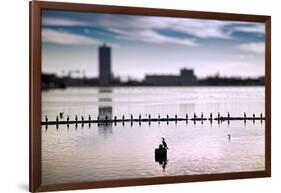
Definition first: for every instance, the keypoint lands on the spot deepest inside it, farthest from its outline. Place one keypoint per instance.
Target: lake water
(105, 152)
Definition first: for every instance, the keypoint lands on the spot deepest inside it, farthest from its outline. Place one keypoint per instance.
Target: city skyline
(152, 45)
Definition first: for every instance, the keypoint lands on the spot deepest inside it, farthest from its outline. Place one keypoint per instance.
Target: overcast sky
(151, 45)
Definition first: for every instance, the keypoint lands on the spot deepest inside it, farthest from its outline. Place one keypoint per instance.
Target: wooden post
(46, 119)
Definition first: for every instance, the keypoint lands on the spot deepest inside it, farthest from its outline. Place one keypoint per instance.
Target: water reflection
(193, 150)
(105, 111)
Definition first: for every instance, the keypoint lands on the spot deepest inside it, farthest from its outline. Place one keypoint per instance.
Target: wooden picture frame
(35, 94)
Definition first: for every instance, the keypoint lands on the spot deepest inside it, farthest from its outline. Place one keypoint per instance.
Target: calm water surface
(104, 152)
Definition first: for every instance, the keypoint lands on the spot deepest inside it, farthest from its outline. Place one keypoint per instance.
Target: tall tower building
(104, 64)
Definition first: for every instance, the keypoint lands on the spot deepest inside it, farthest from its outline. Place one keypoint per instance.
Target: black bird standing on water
(164, 143)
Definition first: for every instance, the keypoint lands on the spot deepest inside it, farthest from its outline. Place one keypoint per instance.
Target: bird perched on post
(61, 115)
(164, 143)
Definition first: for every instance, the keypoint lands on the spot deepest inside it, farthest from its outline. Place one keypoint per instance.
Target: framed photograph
(124, 96)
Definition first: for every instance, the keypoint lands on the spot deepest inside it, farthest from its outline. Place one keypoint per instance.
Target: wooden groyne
(168, 118)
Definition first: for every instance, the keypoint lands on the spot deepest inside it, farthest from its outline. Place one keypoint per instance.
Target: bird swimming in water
(164, 143)
(229, 137)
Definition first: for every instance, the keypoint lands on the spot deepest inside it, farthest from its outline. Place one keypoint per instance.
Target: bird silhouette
(164, 143)
(229, 137)
(61, 115)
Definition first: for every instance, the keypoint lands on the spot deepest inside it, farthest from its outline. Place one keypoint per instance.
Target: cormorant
(164, 143)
